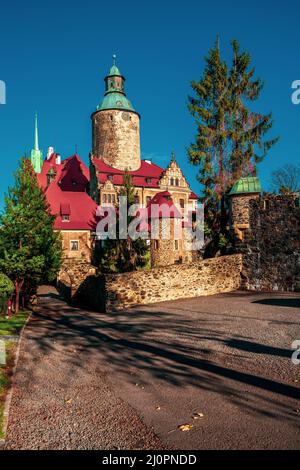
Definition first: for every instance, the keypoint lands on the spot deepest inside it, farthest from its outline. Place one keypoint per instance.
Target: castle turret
(36, 156)
(116, 126)
(241, 193)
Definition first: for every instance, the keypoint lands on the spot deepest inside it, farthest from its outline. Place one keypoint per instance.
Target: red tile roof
(147, 175)
(165, 207)
(65, 197)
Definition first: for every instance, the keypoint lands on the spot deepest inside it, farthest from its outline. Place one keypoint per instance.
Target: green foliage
(30, 250)
(120, 255)
(230, 136)
(6, 286)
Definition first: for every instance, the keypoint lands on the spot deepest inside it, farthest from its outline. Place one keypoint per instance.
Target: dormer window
(149, 180)
(51, 175)
(65, 212)
(110, 177)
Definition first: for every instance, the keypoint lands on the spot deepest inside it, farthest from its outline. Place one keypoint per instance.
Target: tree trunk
(18, 287)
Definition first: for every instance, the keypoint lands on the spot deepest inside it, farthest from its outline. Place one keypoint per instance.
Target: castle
(73, 191)
(265, 228)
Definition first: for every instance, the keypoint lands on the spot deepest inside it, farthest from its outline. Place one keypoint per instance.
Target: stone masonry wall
(205, 277)
(271, 246)
(116, 138)
(72, 275)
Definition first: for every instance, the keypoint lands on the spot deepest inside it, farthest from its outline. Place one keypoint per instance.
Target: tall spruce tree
(228, 136)
(30, 250)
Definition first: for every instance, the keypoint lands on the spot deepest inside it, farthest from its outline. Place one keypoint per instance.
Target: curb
(10, 391)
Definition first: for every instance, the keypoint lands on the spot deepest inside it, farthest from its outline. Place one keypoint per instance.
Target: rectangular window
(104, 198)
(176, 244)
(74, 245)
(109, 198)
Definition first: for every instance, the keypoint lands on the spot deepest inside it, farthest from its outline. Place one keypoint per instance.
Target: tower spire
(36, 133)
(36, 156)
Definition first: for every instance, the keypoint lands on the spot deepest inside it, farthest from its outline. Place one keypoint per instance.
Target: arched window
(172, 181)
(177, 182)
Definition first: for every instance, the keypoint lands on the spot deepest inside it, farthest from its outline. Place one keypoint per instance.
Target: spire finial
(114, 59)
(36, 134)
(173, 156)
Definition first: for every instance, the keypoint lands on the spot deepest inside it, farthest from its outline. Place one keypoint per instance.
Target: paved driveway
(224, 360)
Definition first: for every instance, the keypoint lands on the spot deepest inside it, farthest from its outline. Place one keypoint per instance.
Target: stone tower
(116, 126)
(36, 156)
(241, 193)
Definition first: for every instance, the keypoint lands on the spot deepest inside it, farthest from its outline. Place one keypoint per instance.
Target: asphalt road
(221, 365)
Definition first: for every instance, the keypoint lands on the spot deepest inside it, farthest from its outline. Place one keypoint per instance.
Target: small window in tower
(172, 181)
(74, 245)
(181, 202)
(177, 182)
(109, 198)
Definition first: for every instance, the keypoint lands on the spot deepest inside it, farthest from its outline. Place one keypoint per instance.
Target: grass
(12, 326)
(9, 327)
(5, 379)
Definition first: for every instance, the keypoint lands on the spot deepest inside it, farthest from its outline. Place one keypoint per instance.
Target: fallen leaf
(185, 427)
(68, 401)
(157, 408)
(198, 416)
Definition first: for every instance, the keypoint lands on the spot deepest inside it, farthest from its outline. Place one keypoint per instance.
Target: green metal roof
(249, 184)
(114, 69)
(115, 97)
(115, 100)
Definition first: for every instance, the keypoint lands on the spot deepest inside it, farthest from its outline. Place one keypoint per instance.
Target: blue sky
(55, 54)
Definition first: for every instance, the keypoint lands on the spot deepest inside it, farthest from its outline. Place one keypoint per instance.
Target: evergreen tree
(228, 134)
(30, 250)
(123, 255)
(247, 128)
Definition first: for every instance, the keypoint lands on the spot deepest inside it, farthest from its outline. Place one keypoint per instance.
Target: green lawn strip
(12, 326)
(9, 327)
(5, 379)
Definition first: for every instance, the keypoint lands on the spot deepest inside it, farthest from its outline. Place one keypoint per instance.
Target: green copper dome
(246, 185)
(115, 100)
(115, 96)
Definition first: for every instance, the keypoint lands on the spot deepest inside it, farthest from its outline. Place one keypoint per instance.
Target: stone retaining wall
(205, 277)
